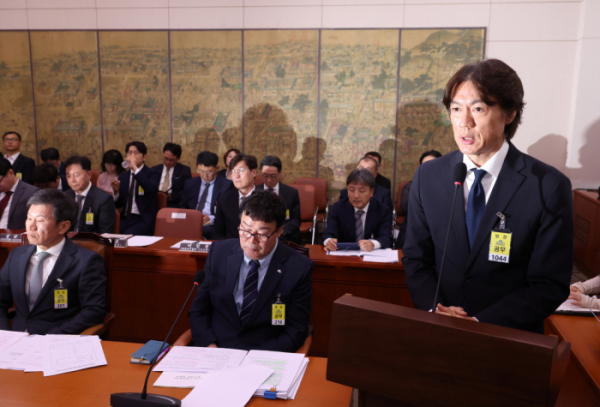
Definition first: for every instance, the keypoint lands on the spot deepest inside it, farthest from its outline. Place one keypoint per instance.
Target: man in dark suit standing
(22, 166)
(14, 195)
(136, 192)
(245, 277)
(172, 174)
(201, 193)
(379, 179)
(381, 194)
(52, 156)
(510, 252)
(35, 275)
(359, 218)
(270, 166)
(227, 217)
(96, 208)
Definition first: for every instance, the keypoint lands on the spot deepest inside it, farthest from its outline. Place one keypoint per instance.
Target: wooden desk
(93, 387)
(581, 386)
(150, 284)
(586, 207)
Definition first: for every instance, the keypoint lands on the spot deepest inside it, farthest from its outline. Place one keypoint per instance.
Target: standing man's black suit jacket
(83, 275)
(342, 226)
(181, 173)
(147, 202)
(24, 165)
(291, 227)
(214, 316)
(537, 201)
(17, 213)
(227, 216)
(101, 205)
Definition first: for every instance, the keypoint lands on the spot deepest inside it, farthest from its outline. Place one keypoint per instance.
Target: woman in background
(232, 152)
(111, 168)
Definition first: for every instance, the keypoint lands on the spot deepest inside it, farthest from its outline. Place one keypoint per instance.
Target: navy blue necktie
(250, 291)
(475, 206)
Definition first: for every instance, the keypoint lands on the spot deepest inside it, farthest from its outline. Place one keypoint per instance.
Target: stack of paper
(377, 256)
(141, 241)
(569, 308)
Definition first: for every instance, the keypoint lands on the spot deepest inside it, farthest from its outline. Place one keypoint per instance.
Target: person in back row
(172, 174)
(111, 166)
(379, 179)
(22, 166)
(45, 176)
(381, 194)
(270, 166)
(95, 208)
(136, 192)
(52, 156)
(14, 195)
(359, 218)
(227, 157)
(201, 193)
(245, 276)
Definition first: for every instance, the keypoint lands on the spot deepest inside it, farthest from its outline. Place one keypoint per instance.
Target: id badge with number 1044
(500, 242)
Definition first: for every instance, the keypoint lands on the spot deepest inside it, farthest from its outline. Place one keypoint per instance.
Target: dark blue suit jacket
(214, 316)
(181, 173)
(17, 214)
(341, 224)
(537, 200)
(227, 215)
(99, 203)
(24, 165)
(146, 203)
(83, 275)
(380, 194)
(291, 227)
(62, 173)
(191, 192)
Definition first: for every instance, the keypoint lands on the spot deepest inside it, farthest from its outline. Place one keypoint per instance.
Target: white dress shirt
(164, 175)
(134, 208)
(12, 158)
(47, 265)
(5, 214)
(244, 196)
(275, 189)
(492, 167)
(84, 194)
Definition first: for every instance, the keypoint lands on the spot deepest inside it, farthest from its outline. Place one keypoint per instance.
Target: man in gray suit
(14, 195)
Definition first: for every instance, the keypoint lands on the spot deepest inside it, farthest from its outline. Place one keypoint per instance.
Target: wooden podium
(398, 356)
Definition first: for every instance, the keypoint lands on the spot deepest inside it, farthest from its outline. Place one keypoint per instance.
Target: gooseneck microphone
(459, 175)
(144, 399)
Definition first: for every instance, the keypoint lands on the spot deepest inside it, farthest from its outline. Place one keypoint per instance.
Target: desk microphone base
(135, 400)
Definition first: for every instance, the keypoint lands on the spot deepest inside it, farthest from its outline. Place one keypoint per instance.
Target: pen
(162, 353)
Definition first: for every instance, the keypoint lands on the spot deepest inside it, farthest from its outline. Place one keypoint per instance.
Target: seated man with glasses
(14, 195)
(201, 193)
(380, 193)
(172, 174)
(245, 277)
(243, 170)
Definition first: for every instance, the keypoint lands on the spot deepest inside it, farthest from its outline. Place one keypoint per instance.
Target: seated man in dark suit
(22, 166)
(45, 176)
(96, 208)
(52, 156)
(380, 193)
(245, 277)
(227, 217)
(33, 273)
(136, 192)
(379, 179)
(270, 166)
(172, 174)
(14, 195)
(359, 218)
(201, 193)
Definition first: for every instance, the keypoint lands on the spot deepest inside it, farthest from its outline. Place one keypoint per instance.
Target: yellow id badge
(61, 299)
(19, 175)
(287, 214)
(89, 218)
(278, 317)
(140, 190)
(500, 246)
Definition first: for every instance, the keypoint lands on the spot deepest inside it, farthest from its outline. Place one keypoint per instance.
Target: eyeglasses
(207, 173)
(134, 153)
(246, 234)
(239, 171)
(11, 139)
(270, 176)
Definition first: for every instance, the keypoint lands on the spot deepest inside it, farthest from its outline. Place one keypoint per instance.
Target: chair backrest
(117, 226)
(179, 223)
(258, 180)
(162, 200)
(95, 174)
(307, 201)
(195, 174)
(399, 211)
(320, 185)
(300, 249)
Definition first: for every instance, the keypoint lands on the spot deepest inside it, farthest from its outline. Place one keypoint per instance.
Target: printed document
(199, 360)
(68, 355)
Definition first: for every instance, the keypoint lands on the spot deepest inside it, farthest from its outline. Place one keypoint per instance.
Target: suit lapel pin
(279, 271)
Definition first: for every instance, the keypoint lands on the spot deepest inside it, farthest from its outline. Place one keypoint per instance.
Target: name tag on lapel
(61, 298)
(140, 190)
(19, 175)
(89, 218)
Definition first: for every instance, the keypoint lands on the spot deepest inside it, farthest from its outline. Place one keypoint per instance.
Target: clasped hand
(457, 312)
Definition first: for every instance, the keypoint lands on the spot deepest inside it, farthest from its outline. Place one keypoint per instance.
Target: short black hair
(362, 176)
(173, 148)
(5, 165)
(229, 152)
(271, 161)
(250, 161)
(44, 173)
(374, 154)
(367, 158)
(49, 153)
(207, 159)
(63, 208)
(113, 157)
(265, 206)
(141, 147)
(84, 162)
(433, 153)
(12, 132)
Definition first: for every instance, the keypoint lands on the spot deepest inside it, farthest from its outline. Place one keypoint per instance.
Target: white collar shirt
(47, 265)
(12, 158)
(6, 213)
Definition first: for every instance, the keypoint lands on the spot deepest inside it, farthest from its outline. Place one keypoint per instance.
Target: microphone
(144, 399)
(459, 175)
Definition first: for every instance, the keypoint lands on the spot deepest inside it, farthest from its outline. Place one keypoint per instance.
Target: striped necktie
(358, 225)
(250, 291)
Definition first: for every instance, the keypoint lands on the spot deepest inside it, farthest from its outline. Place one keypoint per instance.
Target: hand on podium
(457, 312)
(212, 345)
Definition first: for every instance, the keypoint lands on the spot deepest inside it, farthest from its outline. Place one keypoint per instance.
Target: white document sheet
(178, 244)
(7, 338)
(381, 256)
(199, 360)
(296, 385)
(179, 379)
(227, 388)
(344, 253)
(10, 357)
(115, 236)
(569, 306)
(143, 241)
(285, 366)
(68, 355)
